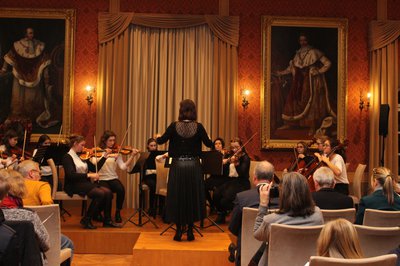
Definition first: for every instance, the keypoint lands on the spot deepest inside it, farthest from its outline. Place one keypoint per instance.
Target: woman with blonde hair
(17, 189)
(383, 197)
(339, 239)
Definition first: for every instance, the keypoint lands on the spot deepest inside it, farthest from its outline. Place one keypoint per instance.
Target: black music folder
(139, 165)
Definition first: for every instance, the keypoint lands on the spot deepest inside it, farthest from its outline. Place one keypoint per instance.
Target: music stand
(211, 162)
(139, 168)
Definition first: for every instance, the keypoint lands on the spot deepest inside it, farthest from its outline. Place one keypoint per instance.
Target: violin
(88, 153)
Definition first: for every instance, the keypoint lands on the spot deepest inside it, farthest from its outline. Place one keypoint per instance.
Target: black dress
(185, 197)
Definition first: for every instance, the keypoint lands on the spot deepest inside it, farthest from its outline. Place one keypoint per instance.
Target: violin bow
(59, 135)
(123, 140)
(23, 147)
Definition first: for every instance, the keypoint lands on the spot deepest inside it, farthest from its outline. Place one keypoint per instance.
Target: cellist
(336, 163)
(302, 158)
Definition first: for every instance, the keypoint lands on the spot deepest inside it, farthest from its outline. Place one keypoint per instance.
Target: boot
(98, 217)
(86, 222)
(220, 218)
(178, 233)
(190, 236)
(118, 218)
(109, 223)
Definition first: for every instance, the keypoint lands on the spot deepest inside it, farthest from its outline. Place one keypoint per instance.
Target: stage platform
(146, 244)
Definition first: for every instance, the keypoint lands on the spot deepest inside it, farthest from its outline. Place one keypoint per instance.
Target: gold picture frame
(295, 73)
(55, 29)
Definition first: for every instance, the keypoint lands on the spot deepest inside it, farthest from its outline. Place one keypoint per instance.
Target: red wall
(358, 12)
(86, 54)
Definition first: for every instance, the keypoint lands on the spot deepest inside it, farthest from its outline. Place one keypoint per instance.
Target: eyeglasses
(326, 145)
(37, 171)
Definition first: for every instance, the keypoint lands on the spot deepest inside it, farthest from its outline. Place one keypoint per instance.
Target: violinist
(239, 166)
(150, 177)
(336, 163)
(80, 178)
(46, 174)
(320, 144)
(302, 158)
(215, 181)
(9, 150)
(108, 177)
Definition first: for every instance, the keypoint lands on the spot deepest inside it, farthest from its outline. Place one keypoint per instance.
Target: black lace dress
(185, 196)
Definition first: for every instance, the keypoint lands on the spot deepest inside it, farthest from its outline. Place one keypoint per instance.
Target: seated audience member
(263, 173)
(339, 239)
(38, 192)
(19, 214)
(383, 197)
(325, 196)
(296, 207)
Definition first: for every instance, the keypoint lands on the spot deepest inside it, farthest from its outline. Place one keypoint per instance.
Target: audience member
(325, 196)
(38, 193)
(296, 207)
(263, 174)
(339, 239)
(383, 197)
(19, 214)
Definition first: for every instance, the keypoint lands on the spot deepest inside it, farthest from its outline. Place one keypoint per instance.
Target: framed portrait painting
(36, 70)
(304, 79)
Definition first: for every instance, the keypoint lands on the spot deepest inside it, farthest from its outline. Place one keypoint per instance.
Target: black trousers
(225, 194)
(116, 187)
(151, 182)
(211, 184)
(101, 199)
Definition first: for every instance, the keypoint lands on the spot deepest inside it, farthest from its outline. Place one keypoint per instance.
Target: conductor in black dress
(185, 197)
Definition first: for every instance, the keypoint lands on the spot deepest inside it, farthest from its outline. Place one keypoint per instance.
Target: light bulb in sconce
(364, 104)
(245, 101)
(89, 90)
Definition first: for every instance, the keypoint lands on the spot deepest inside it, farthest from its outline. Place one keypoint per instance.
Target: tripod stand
(139, 168)
(212, 165)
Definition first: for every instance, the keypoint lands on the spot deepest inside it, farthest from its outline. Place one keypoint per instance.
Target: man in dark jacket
(263, 173)
(326, 197)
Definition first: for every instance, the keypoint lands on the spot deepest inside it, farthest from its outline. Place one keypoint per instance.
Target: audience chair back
(348, 214)
(298, 241)
(376, 241)
(162, 179)
(385, 260)
(381, 218)
(357, 179)
(50, 217)
(249, 244)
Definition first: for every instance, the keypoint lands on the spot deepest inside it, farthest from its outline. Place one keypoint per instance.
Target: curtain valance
(382, 33)
(111, 25)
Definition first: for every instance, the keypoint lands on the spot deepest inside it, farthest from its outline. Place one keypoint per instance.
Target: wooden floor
(114, 246)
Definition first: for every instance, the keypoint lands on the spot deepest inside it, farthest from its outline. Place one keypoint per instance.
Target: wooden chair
(300, 242)
(381, 218)
(385, 260)
(376, 241)
(357, 179)
(249, 245)
(162, 179)
(61, 195)
(348, 214)
(50, 217)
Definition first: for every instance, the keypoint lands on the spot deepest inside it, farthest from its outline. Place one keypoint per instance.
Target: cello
(316, 163)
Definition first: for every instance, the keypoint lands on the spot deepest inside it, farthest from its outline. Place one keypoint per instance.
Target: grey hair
(264, 171)
(324, 176)
(25, 167)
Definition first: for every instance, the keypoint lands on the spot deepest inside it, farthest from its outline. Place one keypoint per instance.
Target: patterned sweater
(29, 215)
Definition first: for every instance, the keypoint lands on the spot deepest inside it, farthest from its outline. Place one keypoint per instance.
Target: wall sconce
(245, 102)
(362, 104)
(89, 98)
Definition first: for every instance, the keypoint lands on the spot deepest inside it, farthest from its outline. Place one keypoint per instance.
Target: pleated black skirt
(185, 197)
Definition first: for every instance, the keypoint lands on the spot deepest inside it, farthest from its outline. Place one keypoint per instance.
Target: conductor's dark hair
(41, 140)
(187, 110)
(106, 135)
